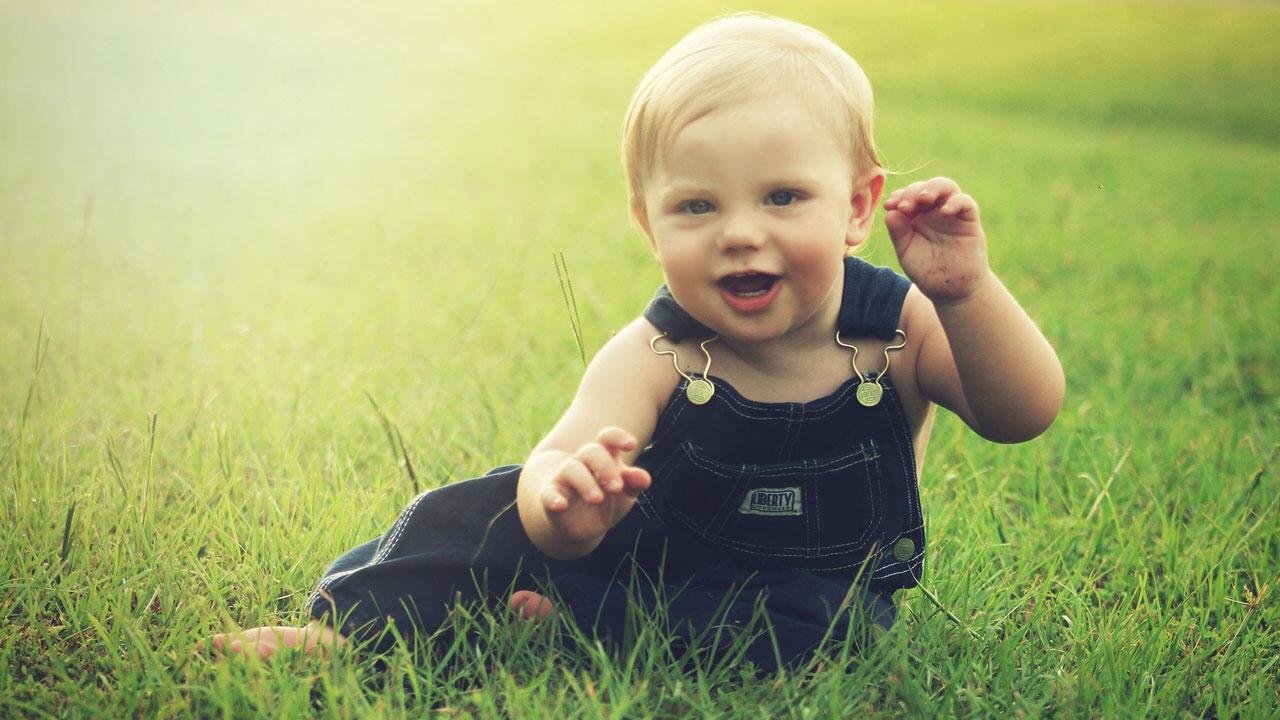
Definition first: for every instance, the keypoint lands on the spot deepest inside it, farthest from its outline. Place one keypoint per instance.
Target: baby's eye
(697, 207)
(781, 197)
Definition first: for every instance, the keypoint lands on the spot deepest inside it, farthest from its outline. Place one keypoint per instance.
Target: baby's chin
(770, 326)
(747, 331)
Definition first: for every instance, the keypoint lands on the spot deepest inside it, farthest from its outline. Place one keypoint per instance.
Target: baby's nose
(741, 231)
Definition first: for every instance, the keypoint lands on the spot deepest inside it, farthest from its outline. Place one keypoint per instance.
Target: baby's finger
(616, 440)
(898, 224)
(941, 187)
(602, 464)
(636, 480)
(910, 194)
(961, 206)
(574, 477)
(935, 193)
(553, 499)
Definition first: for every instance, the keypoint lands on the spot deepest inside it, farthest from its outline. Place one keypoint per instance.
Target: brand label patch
(771, 501)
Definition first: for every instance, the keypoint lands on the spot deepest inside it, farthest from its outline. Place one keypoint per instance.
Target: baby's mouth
(748, 284)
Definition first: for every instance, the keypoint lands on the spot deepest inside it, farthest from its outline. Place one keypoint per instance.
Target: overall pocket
(819, 513)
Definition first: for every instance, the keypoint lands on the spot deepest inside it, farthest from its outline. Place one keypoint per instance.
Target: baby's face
(749, 212)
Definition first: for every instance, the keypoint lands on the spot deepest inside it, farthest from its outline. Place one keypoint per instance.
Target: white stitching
(384, 548)
(839, 462)
(734, 401)
(817, 515)
(398, 529)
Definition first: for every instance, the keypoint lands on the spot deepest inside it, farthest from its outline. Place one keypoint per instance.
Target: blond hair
(739, 57)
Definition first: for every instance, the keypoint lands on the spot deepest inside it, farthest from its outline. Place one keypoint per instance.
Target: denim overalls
(807, 513)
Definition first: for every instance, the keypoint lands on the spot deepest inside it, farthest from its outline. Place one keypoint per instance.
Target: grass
(256, 267)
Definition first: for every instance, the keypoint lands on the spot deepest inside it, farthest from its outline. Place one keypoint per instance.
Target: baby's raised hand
(594, 488)
(938, 238)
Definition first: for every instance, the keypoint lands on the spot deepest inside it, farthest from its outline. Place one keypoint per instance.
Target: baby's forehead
(750, 136)
(774, 117)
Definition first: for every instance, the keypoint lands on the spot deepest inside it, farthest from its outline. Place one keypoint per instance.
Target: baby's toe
(265, 650)
(531, 605)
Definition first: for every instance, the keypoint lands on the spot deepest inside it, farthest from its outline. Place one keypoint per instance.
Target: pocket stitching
(742, 474)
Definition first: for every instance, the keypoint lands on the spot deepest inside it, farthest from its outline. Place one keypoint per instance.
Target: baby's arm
(980, 355)
(579, 481)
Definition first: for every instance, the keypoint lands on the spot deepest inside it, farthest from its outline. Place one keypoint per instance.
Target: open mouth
(748, 284)
(749, 292)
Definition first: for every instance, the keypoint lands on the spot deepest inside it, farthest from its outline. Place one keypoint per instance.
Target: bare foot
(263, 642)
(530, 605)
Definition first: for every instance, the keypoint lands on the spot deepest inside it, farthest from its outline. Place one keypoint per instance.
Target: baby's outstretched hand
(938, 238)
(594, 488)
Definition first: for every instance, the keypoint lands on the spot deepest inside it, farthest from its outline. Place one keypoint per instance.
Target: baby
(752, 442)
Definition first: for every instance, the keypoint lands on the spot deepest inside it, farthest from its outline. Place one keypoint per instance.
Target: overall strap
(872, 301)
(870, 305)
(667, 315)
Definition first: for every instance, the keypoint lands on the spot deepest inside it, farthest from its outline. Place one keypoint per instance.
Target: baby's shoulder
(629, 357)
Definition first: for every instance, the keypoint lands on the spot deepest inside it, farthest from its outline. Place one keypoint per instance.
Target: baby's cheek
(819, 266)
(680, 264)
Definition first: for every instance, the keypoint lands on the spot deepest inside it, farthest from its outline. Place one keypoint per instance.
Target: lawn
(236, 245)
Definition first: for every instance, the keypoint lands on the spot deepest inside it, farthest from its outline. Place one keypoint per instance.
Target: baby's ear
(862, 206)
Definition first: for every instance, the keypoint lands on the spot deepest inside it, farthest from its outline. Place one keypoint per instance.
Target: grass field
(223, 231)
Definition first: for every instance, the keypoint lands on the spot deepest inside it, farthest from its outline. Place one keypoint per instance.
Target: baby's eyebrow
(791, 182)
(674, 192)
